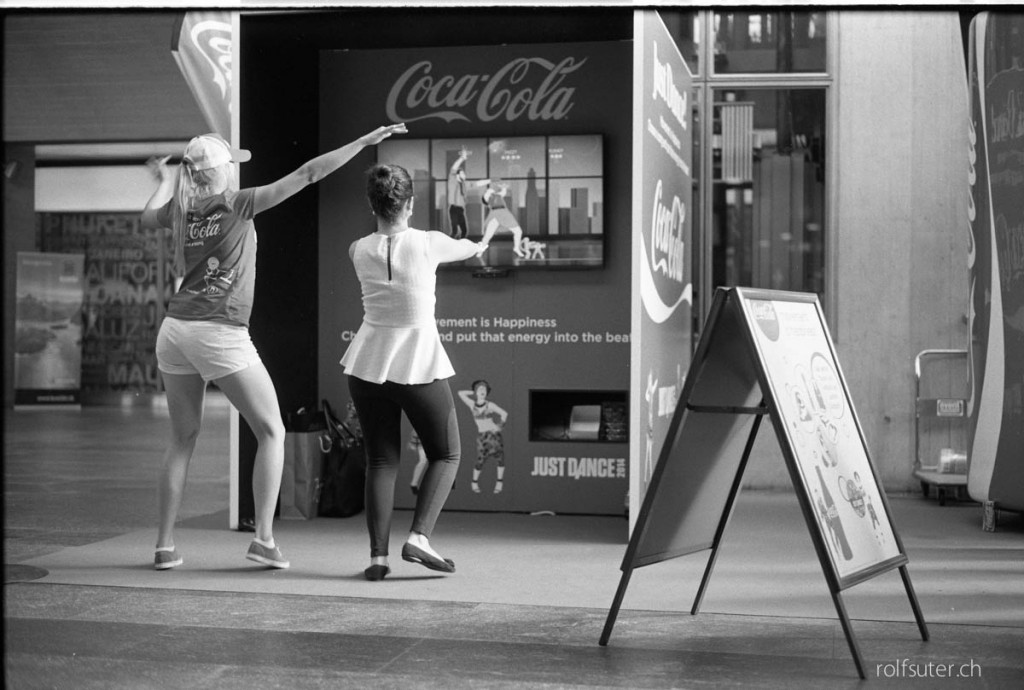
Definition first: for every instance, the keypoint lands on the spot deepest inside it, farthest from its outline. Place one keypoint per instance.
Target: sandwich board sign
(768, 353)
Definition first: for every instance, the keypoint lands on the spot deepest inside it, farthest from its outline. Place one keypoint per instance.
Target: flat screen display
(537, 200)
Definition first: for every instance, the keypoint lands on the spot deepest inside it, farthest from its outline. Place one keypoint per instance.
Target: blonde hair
(190, 186)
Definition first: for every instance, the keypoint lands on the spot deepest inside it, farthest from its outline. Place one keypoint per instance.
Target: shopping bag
(300, 479)
(343, 476)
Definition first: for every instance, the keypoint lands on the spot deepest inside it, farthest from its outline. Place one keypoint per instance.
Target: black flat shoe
(415, 554)
(376, 572)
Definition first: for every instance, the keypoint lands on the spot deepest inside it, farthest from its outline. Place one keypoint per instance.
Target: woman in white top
(396, 363)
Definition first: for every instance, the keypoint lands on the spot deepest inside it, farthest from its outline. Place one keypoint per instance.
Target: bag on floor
(305, 444)
(343, 477)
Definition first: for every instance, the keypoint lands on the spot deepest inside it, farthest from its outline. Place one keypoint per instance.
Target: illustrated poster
(824, 435)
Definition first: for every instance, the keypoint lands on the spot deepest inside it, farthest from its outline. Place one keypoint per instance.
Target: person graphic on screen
(457, 185)
(498, 216)
(205, 334)
(490, 419)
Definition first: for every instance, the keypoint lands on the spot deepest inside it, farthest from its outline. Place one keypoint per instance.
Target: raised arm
(467, 397)
(463, 154)
(163, 193)
(446, 249)
(313, 171)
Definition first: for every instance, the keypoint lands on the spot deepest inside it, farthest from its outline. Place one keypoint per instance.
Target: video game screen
(537, 200)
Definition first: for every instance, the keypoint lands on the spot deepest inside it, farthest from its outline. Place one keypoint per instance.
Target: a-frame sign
(766, 352)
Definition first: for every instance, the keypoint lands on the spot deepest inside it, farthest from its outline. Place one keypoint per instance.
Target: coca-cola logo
(664, 283)
(767, 320)
(531, 88)
(207, 227)
(668, 246)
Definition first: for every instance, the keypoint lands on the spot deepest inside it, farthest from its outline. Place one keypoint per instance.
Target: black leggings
(431, 411)
(457, 215)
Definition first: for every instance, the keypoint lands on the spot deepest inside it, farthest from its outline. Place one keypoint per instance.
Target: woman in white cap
(205, 336)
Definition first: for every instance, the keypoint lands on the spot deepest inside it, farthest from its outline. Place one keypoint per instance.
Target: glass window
(685, 29)
(761, 42)
(768, 188)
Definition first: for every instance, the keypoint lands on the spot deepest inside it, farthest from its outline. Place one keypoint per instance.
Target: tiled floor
(79, 488)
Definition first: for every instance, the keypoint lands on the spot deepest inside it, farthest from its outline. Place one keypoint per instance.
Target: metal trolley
(940, 423)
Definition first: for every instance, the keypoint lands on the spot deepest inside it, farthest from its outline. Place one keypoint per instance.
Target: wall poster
(48, 329)
(127, 284)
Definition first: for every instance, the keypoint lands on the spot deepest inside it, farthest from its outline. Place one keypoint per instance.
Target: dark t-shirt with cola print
(220, 259)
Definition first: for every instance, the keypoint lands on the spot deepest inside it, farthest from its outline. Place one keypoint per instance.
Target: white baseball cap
(211, 150)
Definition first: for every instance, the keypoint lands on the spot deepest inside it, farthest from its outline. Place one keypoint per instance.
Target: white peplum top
(398, 339)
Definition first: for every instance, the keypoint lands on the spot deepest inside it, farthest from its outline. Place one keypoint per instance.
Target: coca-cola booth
(544, 336)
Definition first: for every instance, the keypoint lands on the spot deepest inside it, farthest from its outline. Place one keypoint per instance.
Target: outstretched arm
(164, 190)
(446, 249)
(313, 171)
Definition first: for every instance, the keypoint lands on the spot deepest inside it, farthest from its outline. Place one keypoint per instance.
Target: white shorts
(212, 350)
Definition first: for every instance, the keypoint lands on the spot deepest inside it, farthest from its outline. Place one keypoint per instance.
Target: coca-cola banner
(662, 227)
(201, 46)
(523, 89)
(996, 211)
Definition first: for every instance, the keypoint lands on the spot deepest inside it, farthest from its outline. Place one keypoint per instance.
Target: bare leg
(252, 392)
(517, 240)
(185, 395)
(490, 227)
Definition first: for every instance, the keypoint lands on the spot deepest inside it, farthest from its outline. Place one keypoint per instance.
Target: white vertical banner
(203, 47)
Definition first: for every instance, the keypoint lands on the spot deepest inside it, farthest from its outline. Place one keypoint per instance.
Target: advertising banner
(127, 283)
(996, 258)
(48, 329)
(201, 45)
(662, 226)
